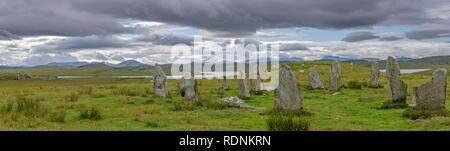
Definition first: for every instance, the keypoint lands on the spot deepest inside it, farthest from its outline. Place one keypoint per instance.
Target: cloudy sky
(36, 32)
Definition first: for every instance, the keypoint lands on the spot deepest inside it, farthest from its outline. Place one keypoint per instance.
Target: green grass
(415, 114)
(128, 104)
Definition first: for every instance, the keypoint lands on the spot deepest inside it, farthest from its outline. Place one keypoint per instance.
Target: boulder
(233, 101)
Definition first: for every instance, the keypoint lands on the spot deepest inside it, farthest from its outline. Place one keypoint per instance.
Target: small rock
(233, 101)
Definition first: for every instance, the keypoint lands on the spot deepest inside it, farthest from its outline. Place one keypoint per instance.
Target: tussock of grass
(415, 114)
(27, 106)
(58, 116)
(393, 105)
(73, 97)
(91, 114)
(152, 124)
(287, 123)
(86, 91)
(288, 120)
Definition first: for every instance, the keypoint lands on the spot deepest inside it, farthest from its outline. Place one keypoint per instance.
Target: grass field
(128, 104)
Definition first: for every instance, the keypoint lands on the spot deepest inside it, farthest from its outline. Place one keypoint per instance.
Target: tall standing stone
(188, 89)
(224, 84)
(255, 84)
(287, 95)
(159, 82)
(244, 89)
(397, 89)
(431, 95)
(314, 79)
(375, 75)
(335, 77)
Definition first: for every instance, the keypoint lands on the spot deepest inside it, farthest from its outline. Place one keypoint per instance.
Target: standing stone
(244, 90)
(397, 89)
(188, 89)
(159, 82)
(287, 95)
(314, 79)
(432, 94)
(375, 75)
(224, 84)
(335, 77)
(255, 84)
(18, 76)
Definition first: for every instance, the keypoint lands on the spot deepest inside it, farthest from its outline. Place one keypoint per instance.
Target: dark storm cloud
(226, 17)
(359, 36)
(77, 43)
(244, 17)
(428, 34)
(167, 39)
(54, 17)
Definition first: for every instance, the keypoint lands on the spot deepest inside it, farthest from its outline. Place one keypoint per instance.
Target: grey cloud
(5, 35)
(359, 36)
(77, 43)
(54, 17)
(42, 59)
(227, 17)
(391, 38)
(243, 17)
(428, 34)
(292, 46)
(166, 39)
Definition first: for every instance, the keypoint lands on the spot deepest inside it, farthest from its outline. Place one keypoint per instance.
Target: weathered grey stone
(21, 76)
(224, 85)
(159, 82)
(314, 79)
(244, 89)
(431, 95)
(375, 75)
(255, 84)
(287, 95)
(335, 77)
(188, 89)
(397, 89)
(233, 102)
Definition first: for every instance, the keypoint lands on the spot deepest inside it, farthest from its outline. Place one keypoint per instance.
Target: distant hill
(132, 67)
(127, 63)
(130, 63)
(73, 64)
(427, 62)
(337, 58)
